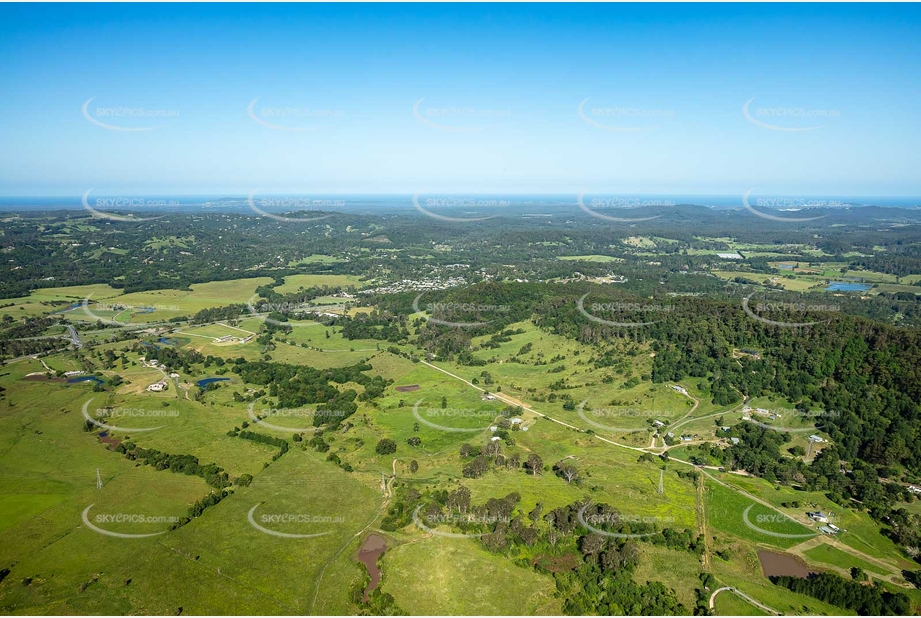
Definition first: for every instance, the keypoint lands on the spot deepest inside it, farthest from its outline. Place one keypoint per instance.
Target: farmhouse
(815, 438)
(157, 387)
(818, 516)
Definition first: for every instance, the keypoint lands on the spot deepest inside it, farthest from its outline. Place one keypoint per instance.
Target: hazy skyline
(324, 99)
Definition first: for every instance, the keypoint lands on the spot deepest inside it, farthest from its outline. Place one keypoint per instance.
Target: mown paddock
(445, 576)
(729, 604)
(304, 487)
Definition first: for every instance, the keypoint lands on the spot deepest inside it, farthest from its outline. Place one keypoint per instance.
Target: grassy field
(48, 467)
(728, 604)
(590, 258)
(440, 575)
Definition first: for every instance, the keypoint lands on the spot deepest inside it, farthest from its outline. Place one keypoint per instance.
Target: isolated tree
(568, 472)
(386, 446)
(413, 466)
(535, 463)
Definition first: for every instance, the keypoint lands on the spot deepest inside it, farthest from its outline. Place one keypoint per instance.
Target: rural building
(815, 438)
(157, 387)
(818, 516)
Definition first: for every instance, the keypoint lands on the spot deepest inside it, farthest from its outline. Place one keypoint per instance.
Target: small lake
(844, 286)
(774, 564)
(371, 549)
(85, 379)
(167, 341)
(206, 381)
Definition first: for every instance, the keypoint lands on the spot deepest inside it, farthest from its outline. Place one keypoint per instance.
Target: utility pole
(98, 479)
(662, 481)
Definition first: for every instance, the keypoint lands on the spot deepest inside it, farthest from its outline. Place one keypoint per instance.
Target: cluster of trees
(263, 439)
(481, 459)
(296, 385)
(872, 600)
(199, 507)
(213, 474)
(381, 325)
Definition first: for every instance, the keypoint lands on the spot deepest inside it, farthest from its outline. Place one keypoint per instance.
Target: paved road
(74, 337)
(738, 592)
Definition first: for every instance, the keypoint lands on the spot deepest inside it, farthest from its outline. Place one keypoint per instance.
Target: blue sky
(501, 87)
